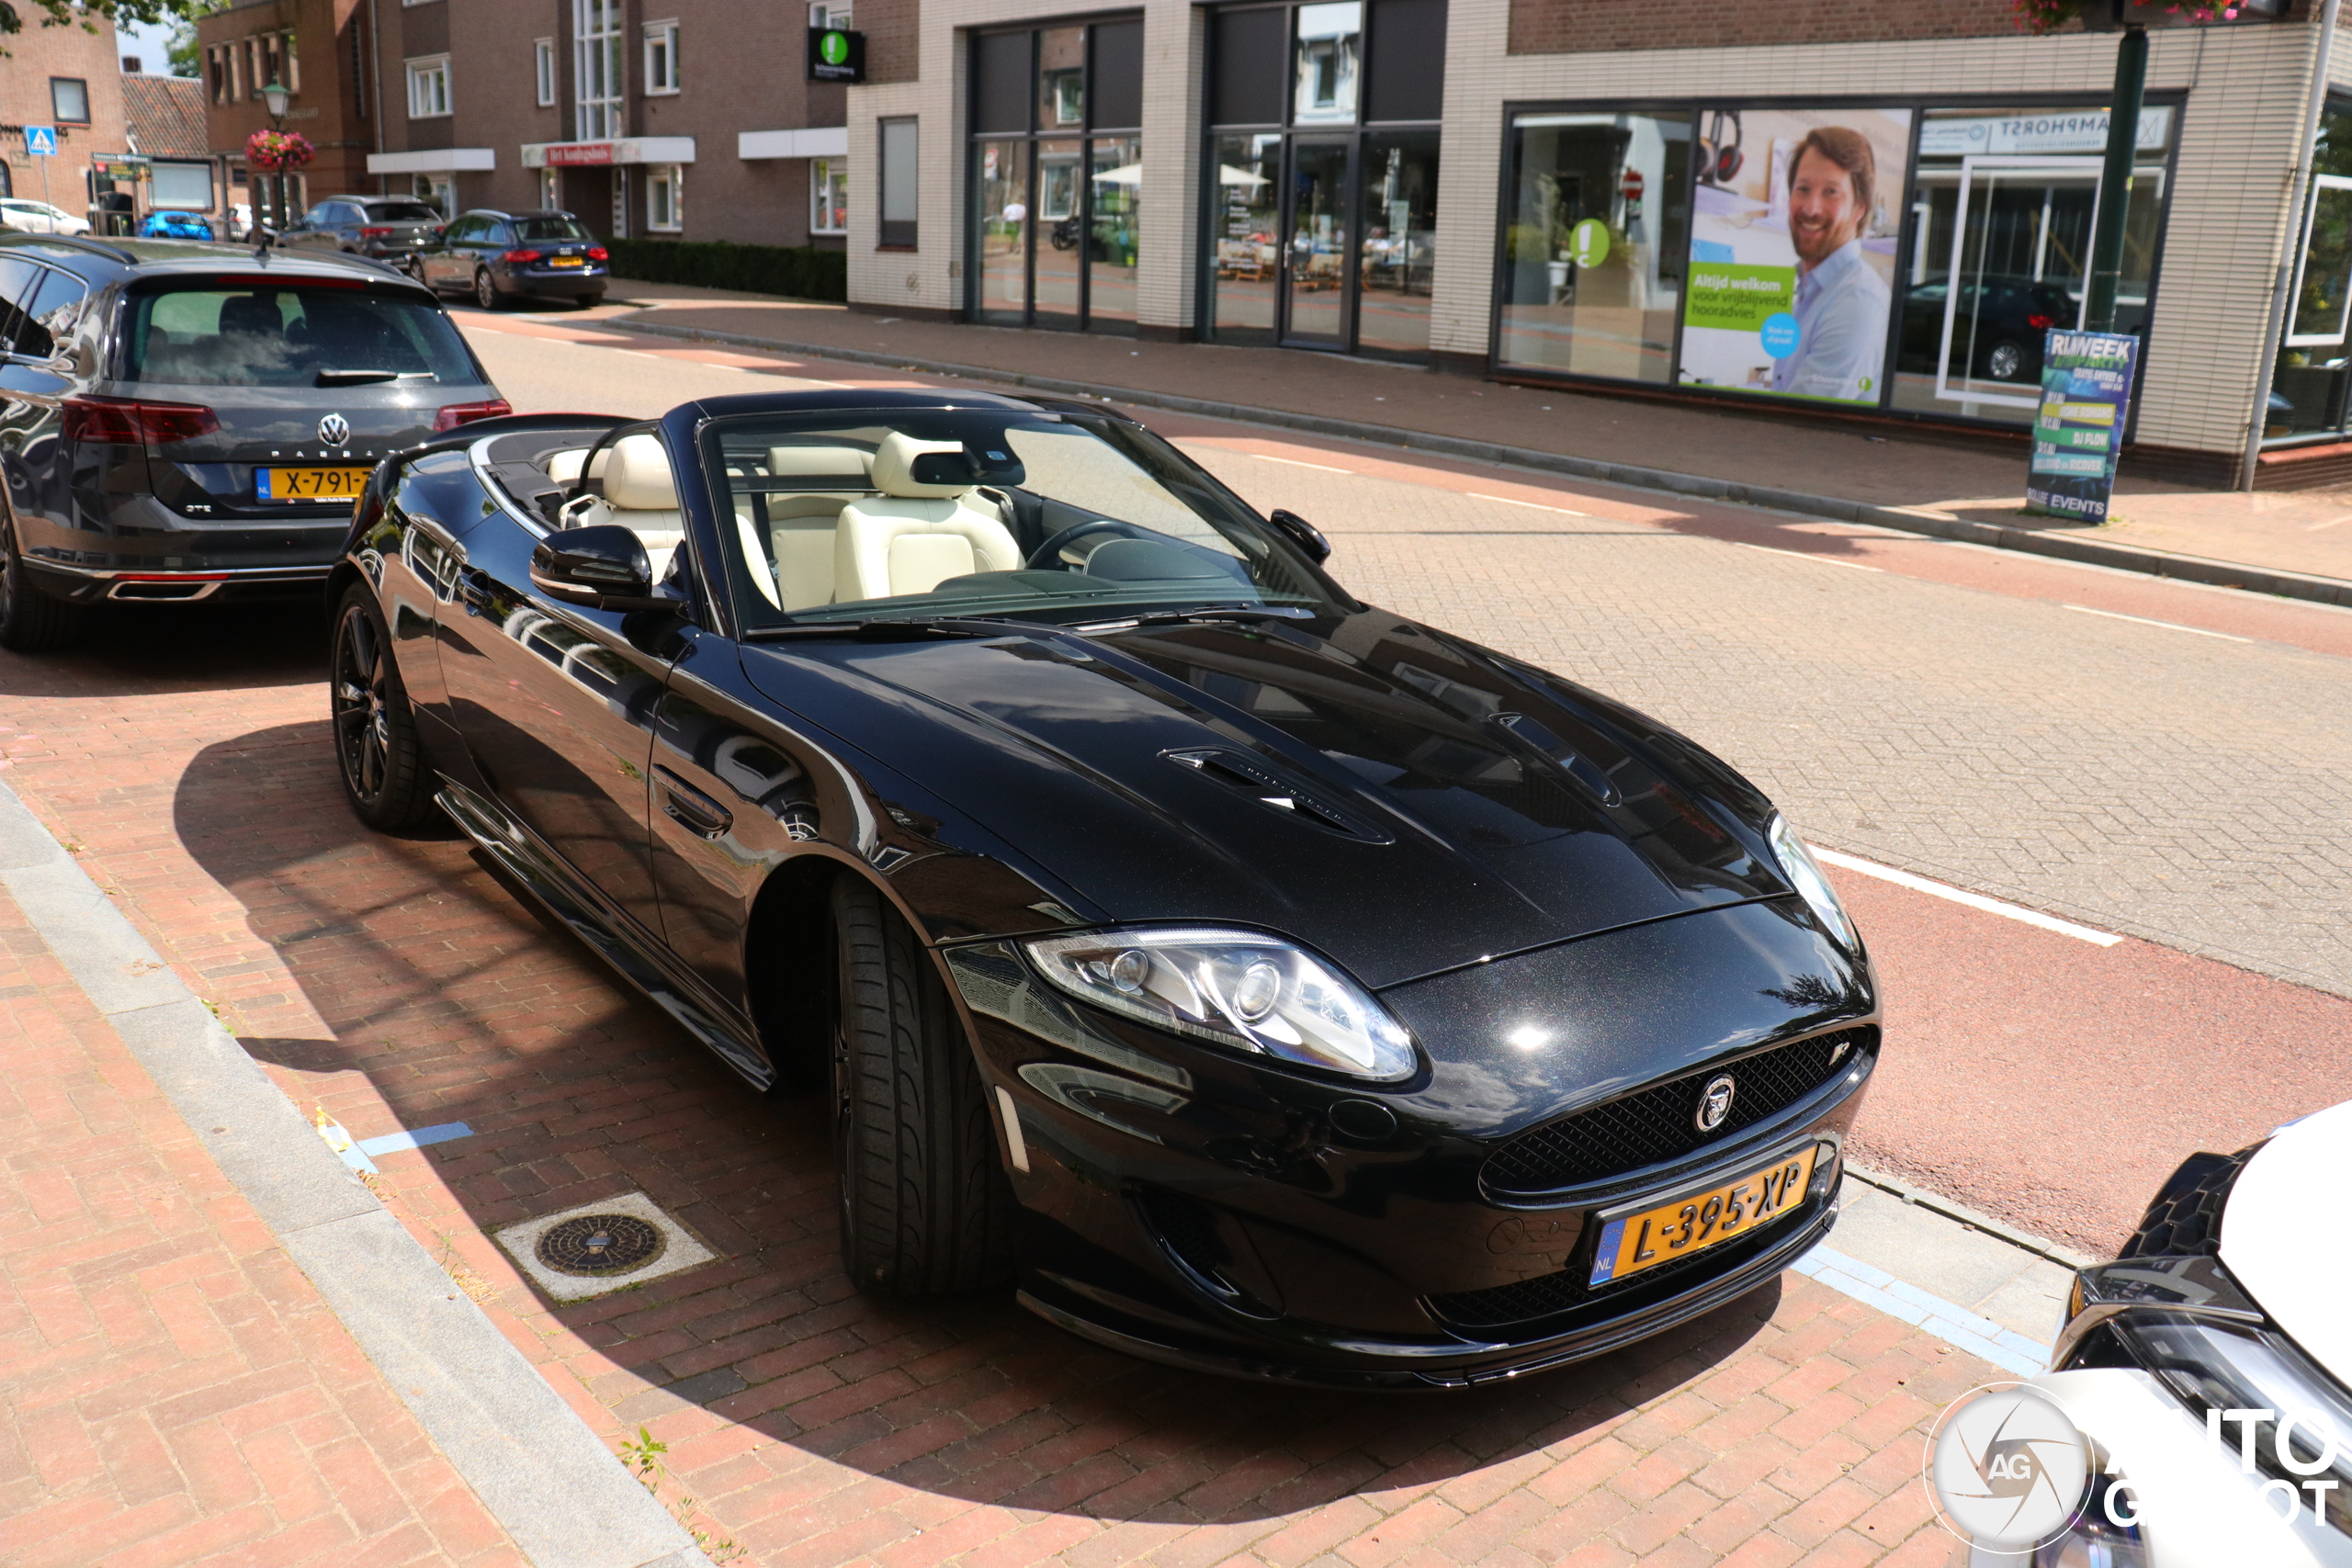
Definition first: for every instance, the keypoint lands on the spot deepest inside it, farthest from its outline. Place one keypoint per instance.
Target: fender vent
(1251, 776)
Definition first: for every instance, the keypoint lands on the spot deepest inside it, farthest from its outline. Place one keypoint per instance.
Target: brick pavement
(396, 983)
(171, 1389)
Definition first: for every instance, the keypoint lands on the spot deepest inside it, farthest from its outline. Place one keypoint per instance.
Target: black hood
(1401, 801)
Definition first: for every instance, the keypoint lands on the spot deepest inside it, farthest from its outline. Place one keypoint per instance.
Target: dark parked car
(1996, 333)
(384, 229)
(1273, 984)
(193, 421)
(175, 225)
(500, 256)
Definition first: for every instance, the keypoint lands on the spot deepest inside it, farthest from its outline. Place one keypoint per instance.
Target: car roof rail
(81, 243)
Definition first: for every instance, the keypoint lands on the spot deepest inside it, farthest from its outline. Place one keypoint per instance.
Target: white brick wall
(2227, 224)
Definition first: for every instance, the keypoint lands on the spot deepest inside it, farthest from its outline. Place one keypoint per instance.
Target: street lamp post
(273, 98)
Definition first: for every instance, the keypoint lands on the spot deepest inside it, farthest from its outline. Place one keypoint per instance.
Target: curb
(547, 1480)
(1907, 519)
(2023, 1241)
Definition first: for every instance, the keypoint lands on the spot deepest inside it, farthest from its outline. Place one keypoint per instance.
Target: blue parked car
(175, 225)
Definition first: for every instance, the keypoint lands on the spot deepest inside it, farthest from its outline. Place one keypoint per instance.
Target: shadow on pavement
(178, 648)
(447, 998)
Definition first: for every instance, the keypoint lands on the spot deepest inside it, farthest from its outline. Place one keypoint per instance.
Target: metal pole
(2115, 176)
(2298, 184)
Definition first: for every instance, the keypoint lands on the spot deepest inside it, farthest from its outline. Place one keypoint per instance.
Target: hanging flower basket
(2048, 15)
(274, 150)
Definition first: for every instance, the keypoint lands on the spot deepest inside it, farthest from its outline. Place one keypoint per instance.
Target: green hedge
(802, 270)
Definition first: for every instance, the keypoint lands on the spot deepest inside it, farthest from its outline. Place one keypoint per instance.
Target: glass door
(2019, 265)
(1318, 261)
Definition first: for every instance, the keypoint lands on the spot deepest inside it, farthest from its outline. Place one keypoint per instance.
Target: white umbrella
(1226, 174)
(1124, 174)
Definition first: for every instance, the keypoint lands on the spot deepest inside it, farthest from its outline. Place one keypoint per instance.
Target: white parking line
(1973, 900)
(1806, 554)
(1296, 464)
(1537, 505)
(2169, 626)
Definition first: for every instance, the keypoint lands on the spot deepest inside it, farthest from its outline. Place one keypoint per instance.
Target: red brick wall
(1579, 26)
(890, 26)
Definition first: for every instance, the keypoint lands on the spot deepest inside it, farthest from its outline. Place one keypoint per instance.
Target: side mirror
(1302, 534)
(603, 567)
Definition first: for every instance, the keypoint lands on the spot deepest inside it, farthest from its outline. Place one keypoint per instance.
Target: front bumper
(1192, 1207)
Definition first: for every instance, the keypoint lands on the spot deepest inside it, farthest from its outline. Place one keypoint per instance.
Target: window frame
(547, 81)
(598, 119)
(422, 71)
(81, 84)
(824, 176)
(660, 42)
(670, 179)
(902, 234)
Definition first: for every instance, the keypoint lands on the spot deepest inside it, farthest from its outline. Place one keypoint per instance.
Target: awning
(816, 141)
(434, 161)
(603, 154)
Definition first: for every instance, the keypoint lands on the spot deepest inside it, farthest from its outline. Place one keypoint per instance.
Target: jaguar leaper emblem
(1714, 1101)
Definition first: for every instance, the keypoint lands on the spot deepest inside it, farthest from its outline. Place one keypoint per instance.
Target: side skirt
(609, 932)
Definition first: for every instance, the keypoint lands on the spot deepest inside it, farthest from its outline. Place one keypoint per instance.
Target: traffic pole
(2115, 176)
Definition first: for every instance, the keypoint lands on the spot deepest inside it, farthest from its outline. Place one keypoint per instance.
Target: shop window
(1115, 75)
(1323, 89)
(2308, 390)
(1405, 74)
(827, 195)
(665, 198)
(1000, 68)
(69, 100)
(543, 71)
(901, 169)
(661, 57)
(1246, 69)
(1061, 79)
(187, 186)
(428, 87)
(1593, 250)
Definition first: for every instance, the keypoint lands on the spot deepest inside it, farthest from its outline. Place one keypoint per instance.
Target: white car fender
(2199, 1509)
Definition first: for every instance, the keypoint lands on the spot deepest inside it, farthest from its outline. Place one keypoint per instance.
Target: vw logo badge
(335, 430)
(1714, 1101)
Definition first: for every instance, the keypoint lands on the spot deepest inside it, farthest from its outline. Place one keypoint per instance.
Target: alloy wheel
(2004, 361)
(485, 291)
(358, 694)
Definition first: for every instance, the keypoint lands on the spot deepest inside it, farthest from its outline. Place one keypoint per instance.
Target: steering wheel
(1048, 556)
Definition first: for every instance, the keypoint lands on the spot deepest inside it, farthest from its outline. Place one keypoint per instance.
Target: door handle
(474, 589)
(690, 808)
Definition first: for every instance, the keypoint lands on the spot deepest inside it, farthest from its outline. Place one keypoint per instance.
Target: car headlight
(1235, 989)
(2263, 1400)
(1805, 874)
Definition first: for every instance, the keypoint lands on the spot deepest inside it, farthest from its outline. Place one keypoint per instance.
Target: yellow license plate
(311, 484)
(567, 261)
(1688, 1224)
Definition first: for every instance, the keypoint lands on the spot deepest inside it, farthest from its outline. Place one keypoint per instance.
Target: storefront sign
(578, 154)
(1792, 251)
(2061, 131)
(836, 54)
(2077, 432)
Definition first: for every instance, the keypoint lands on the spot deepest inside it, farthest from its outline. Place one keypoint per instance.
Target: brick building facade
(318, 50)
(68, 77)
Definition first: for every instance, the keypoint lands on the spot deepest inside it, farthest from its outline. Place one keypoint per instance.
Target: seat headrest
(564, 466)
(820, 462)
(896, 460)
(638, 478)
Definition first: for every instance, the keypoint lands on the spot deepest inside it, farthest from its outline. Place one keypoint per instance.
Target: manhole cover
(595, 1245)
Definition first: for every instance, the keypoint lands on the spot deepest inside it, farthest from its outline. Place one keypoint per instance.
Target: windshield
(549, 229)
(402, 212)
(903, 515)
(267, 335)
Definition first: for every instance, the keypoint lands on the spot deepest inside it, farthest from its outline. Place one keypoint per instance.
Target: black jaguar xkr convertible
(1266, 983)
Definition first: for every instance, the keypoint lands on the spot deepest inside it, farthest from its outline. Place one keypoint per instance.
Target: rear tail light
(456, 414)
(598, 253)
(375, 233)
(518, 257)
(2038, 322)
(128, 422)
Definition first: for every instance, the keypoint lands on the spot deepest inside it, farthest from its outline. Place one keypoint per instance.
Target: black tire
(925, 1208)
(2006, 361)
(30, 621)
(2185, 1220)
(486, 293)
(377, 755)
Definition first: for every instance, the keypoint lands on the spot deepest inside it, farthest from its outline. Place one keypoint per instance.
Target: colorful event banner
(1792, 235)
(2086, 388)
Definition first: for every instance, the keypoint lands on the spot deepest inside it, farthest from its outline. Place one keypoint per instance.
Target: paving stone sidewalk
(173, 1390)
(1975, 478)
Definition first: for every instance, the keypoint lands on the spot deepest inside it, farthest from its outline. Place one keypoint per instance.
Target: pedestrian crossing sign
(41, 140)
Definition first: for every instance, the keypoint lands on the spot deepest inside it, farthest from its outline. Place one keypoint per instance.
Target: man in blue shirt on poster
(1842, 303)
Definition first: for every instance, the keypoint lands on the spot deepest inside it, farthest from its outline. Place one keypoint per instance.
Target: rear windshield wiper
(353, 378)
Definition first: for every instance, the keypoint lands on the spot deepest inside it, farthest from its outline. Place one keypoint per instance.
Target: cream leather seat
(914, 536)
(641, 496)
(801, 525)
(564, 466)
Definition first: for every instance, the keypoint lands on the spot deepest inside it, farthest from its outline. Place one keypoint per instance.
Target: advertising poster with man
(1793, 237)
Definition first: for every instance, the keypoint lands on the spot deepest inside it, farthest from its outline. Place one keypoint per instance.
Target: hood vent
(1249, 775)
